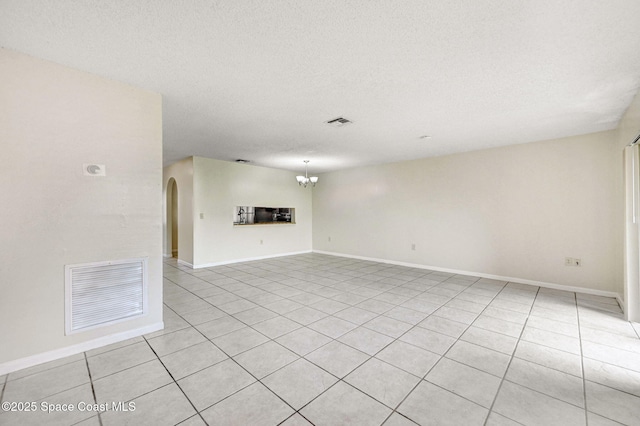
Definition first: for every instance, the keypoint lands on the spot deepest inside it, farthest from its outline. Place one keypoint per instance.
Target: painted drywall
(54, 119)
(627, 132)
(182, 173)
(220, 186)
(516, 211)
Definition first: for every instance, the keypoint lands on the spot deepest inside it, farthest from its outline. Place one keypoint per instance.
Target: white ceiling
(257, 79)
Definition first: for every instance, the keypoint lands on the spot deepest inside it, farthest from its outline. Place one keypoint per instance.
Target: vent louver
(102, 293)
(339, 122)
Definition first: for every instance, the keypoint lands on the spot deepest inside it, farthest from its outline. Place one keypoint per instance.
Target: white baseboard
(182, 262)
(30, 361)
(584, 290)
(166, 255)
(246, 259)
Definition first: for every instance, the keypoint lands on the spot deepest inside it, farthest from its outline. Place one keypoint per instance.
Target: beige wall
(220, 186)
(182, 173)
(516, 211)
(52, 120)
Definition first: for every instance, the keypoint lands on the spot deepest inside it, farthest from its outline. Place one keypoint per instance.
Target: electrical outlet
(260, 241)
(577, 262)
(413, 246)
(329, 239)
(568, 261)
(201, 215)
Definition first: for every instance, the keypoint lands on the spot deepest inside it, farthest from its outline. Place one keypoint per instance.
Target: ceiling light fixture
(305, 180)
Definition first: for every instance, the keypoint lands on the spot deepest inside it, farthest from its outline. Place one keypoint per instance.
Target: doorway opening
(172, 218)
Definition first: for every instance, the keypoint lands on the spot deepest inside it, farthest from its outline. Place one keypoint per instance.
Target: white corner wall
(220, 186)
(515, 211)
(52, 120)
(182, 173)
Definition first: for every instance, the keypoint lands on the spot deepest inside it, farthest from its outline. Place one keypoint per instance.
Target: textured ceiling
(257, 79)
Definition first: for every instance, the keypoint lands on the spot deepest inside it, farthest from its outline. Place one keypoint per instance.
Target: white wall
(182, 173)
(220, 186)
(516, 211)
(52, 120)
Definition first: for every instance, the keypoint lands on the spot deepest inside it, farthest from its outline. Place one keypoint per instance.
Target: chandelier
(305, 180)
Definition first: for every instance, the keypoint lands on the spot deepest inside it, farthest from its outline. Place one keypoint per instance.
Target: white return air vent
(103, 293)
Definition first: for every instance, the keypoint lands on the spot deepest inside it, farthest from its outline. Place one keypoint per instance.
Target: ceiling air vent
(338, 122)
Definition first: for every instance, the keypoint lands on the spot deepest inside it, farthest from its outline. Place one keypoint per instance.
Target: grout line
(174, 381)
(93, 390)
(524, 326)
(584, 380)
(4, 385)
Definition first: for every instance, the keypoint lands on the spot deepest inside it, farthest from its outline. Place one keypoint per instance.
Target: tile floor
(316, 339)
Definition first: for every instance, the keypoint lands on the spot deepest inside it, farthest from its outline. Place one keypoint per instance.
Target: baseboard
(165, 255)
(620, 300)
(563, 287)
(30, 361)
(246, 259)
(182, 262)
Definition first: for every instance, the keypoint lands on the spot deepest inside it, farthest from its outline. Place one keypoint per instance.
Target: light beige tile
(120, 359)
(227, 376)
(131, 383)
(429, 340)
(220, 327)
(253, 405)
(303, 340)
(487, 360)
(398, 420)
(489, 339)
(443, 407)
(611, 355)
(43, 367)
(192, 359)
(305, 315)
(276, 327)
(50, 415)
(568, 329)
(343, 404)
(407, 315)
(365, 340)
(265, 359)
(496, 419)
(456, 377)
(356, 315)
(409, 358)
(500, 326)
(554, 383)
(203, 315)
(239, 341)
(388, 326)
(549, 357)
(612, 376)
(534, 408)
(164, 406)
(332, 326)
(176, 341)
(613, 404)
(299, 382)
(46, 383)
(382, 381)
(295, 420)
(443, 325)
(337, 358)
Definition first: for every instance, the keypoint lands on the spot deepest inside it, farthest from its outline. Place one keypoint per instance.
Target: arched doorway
(172, 218)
